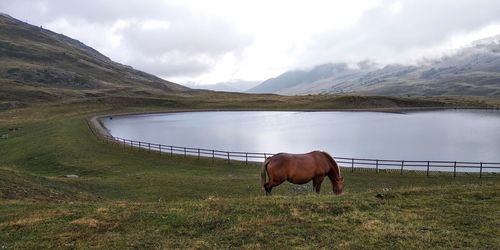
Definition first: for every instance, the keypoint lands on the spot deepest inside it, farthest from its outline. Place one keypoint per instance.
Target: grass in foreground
(130, 198)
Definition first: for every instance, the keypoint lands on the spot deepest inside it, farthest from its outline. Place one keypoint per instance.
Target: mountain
(297, 77)
(37, 64)
(472, 70)
(230, 86)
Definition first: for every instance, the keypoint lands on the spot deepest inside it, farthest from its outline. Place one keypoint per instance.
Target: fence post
(428, 163)
(185, 153)
(159, 147)
(455, 169)
(352, 165)
(140, 145)
(171, 151)
(265, 156)
(149, 147)
(376, 166)
(213, 155)
(480, 170)
(198, 154)
(228, 160)
(402, 166)
(246, 158)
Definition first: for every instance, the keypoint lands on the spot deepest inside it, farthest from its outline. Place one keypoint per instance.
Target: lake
(454, 135)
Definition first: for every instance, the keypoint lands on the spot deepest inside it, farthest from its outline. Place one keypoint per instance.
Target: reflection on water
(461, 135)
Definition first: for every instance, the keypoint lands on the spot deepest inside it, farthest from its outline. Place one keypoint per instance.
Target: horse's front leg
(318, 181)
(267, 189)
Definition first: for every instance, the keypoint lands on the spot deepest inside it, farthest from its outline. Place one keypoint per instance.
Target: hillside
(37, 64)
(128, 198)
(473, 70)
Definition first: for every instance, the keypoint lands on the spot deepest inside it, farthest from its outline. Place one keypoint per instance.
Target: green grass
(128, 198)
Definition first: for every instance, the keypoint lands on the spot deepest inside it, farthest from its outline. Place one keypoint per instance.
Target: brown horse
(300, 169)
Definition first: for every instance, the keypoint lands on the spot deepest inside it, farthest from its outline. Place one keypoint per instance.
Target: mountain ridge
(472, 70)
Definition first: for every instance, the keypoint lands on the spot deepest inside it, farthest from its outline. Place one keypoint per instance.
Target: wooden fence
(349, 163)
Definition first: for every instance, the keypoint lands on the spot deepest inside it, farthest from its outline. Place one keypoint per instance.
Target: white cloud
(405, 31)
(219, 40)
(396, 7)
(155, 25)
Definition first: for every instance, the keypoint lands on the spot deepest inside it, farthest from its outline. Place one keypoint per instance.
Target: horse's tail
(263, 172)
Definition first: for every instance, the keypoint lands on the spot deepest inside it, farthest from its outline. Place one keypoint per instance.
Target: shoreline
(98, 125)
(97, 119)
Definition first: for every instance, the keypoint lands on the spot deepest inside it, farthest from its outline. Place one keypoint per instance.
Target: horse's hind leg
(269, 186)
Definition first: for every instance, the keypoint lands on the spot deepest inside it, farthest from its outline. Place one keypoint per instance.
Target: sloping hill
(37, 64)
(291, 79)
(473, 70)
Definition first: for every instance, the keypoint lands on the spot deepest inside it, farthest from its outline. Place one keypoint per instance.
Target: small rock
(71, 176)
(379, 196)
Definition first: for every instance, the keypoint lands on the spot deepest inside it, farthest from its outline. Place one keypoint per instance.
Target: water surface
(456, 135)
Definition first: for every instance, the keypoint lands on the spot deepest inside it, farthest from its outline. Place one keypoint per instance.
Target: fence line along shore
(99, 130)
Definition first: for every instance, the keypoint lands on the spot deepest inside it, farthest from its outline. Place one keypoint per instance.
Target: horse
(300, 169)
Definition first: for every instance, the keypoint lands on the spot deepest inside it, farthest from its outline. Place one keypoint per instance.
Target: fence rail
(349, 163)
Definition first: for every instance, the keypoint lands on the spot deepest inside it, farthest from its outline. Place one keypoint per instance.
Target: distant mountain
(37, 64)
(472, 70)
(231, 86)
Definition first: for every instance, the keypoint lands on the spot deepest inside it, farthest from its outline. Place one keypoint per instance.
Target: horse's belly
(300, 179)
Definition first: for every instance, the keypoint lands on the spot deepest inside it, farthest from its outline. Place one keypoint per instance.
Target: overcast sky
(214, 41)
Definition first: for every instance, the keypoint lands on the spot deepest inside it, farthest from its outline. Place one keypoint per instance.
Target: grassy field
(134, 199)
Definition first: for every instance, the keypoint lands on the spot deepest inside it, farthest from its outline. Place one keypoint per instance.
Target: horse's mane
(332, 161)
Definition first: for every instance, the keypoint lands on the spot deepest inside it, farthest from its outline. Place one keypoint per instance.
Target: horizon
(180, 41)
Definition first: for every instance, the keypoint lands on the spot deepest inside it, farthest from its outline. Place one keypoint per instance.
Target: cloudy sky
(205, 42)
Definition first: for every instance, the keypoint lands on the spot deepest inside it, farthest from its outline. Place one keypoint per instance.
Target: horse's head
(338, 185)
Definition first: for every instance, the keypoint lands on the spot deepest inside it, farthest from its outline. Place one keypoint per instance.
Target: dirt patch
(89, 222)
(102, 210)
(371, 225)
(36, 218)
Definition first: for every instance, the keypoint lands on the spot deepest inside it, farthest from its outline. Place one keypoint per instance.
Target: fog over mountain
(471, 70)
(231, 86)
